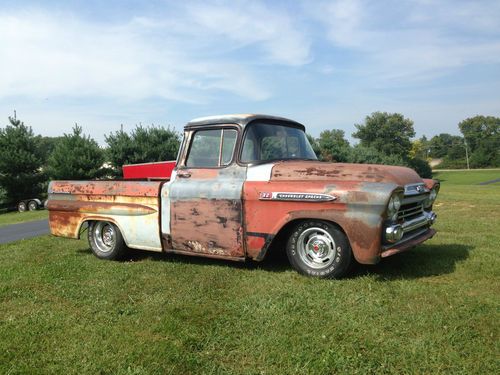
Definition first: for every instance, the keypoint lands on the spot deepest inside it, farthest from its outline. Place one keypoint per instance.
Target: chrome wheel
(105, 236)
(316, 248)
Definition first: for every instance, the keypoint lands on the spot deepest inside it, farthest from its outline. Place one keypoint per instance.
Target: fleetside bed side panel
(132, 206)
(358, 208)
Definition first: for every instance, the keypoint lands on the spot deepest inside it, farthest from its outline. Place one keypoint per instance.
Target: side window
(205, 149)
(228, 143)
(212, 148)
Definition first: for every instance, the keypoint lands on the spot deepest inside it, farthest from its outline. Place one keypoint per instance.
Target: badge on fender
(297, 197)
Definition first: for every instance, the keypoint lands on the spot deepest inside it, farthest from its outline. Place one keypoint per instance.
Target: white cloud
(418, 41)
(274, 31)
(47, 54)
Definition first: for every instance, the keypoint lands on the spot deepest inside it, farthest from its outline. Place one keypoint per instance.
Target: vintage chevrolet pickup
(244, 183)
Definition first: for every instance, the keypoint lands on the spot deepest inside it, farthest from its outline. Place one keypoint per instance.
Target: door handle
(183, 174)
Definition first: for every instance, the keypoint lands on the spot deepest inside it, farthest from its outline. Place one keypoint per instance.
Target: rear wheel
(22, 207)
(32, 205)
(320, 249)
(106, 240)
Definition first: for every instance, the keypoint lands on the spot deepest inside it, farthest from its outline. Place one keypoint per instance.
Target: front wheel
(320, 249)
(106, 240)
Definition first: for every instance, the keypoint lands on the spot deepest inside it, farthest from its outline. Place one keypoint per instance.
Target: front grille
(410, 211)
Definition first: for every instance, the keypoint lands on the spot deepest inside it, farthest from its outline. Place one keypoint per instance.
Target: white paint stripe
(165, 204)
(260, 172)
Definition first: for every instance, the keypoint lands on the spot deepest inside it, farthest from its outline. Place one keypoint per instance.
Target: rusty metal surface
(430, 183)
(205, 226)
(132, 206)
(407, 245)
(323, 171)
(106, 188)
(206, 212)
(359, 210)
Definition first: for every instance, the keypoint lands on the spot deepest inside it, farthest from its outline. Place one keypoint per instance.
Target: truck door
(205, 196)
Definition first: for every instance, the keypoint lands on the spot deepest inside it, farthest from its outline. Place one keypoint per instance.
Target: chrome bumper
(396, 232)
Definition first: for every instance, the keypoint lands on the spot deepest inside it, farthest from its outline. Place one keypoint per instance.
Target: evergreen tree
(20, 163)
(76, 157)
(144, 145)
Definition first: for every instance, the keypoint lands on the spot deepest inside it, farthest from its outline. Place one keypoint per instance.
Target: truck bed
(132, 205)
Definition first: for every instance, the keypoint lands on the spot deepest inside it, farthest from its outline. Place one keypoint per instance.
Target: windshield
(268, 141)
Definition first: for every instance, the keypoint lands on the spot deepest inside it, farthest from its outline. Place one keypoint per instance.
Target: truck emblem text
(292, 196)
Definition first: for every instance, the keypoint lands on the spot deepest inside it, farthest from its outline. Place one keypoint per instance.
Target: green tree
(333, 146)
(370, 155)
(389, 133)
(76, 157)
(441, 144)
(314, 144)
(420, 148)
(20, 163)
(421, 166)
(482, 134)
(46, 146)
(145, 144)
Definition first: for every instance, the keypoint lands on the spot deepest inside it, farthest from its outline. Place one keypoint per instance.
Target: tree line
(387, 138)
(29, 161)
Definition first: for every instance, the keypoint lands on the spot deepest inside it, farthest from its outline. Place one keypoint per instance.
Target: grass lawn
(21, 217)
(465, 177)
(435, 309)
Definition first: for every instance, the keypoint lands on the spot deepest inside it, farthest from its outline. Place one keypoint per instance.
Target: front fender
(358, 209)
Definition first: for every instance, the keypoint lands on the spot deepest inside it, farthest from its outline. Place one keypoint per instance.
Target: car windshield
(269, 141)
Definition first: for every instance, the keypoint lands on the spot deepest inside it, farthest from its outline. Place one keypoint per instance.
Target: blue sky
(327, 64)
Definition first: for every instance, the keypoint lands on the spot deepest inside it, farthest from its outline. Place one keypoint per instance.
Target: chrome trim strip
(416, 189)
(418, 222)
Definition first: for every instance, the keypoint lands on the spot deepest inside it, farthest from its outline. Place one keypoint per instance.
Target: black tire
(22, 206)
(32, 205)
(106, 240)
(319, 249)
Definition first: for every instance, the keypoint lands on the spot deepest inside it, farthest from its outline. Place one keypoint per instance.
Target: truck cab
(243, 183)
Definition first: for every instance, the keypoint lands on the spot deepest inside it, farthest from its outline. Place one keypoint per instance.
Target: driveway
(14, 232)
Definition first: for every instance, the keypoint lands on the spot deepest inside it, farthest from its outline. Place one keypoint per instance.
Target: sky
(326, 64)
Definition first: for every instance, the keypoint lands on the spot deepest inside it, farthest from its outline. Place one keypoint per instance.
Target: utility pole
(15, 115)
(466, 153)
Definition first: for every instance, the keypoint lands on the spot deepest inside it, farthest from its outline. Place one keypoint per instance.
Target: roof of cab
(240, 119)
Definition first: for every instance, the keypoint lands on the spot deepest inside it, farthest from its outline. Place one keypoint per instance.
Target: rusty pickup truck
(243, 184)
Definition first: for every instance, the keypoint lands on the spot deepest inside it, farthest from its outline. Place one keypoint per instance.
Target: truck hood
(323, 171)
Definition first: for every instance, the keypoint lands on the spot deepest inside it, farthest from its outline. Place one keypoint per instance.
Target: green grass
(432, 310)
(465, 177)
(21, 217)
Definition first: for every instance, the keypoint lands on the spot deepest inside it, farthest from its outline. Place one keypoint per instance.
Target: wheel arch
(279, 240)
(87, 220)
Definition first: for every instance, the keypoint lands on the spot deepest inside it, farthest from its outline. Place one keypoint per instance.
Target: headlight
(396, 202)
(431, 198)
(393, 206)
